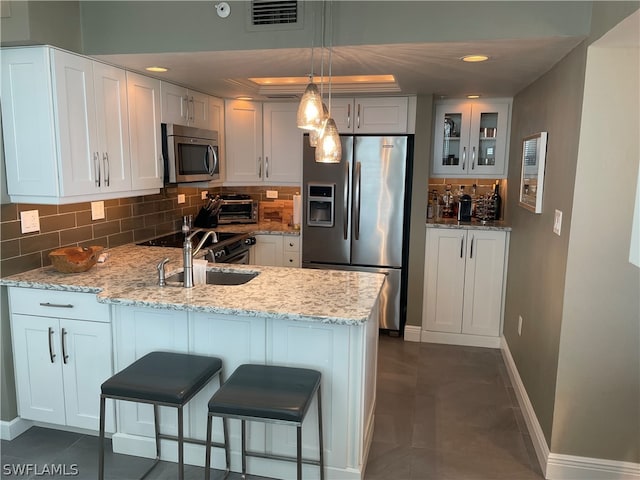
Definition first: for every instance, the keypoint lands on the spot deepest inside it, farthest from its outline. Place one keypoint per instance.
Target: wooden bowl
(75, 259)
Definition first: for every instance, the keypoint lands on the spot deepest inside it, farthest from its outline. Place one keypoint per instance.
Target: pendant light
(329, 149)
(310, 109)
(316, 133)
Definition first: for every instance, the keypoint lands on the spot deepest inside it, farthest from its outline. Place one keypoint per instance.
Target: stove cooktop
(176, 240)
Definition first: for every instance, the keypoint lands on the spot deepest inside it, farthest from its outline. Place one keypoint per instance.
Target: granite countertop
(129, 277)
(474, 224)
(260, 228)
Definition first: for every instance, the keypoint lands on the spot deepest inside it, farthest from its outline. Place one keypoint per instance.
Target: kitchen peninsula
(320, 319)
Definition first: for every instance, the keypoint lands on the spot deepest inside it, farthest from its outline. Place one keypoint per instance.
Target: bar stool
(161, 379)
(271, 394)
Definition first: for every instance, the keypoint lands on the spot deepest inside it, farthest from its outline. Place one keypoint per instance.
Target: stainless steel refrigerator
(354, 215)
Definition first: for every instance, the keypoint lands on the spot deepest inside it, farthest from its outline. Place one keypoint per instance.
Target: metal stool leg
(321, 446)
(101, 440)
(208, 447)
(180, 444)
(244, 450)
(299, 451)
(227, 449)
(156, 425)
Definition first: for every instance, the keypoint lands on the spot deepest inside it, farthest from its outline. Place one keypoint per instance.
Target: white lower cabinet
(276, 251)
(345, 355)
(62, 354)
(464, 286)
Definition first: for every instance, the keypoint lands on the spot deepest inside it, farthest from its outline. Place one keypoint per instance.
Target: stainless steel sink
(217, 277)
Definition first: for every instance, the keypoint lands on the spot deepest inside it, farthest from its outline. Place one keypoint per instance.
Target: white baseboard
(459, 339)
(412, 333)
(557, 466)
(14, 428)
(561, 467)
(530, 418)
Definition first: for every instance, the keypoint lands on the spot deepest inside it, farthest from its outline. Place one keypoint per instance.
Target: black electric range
(230, 247)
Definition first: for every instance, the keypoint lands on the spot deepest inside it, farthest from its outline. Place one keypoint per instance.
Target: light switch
(30, 221)
(181, 198)
(203, 195)
(97, 210)
(557, 222)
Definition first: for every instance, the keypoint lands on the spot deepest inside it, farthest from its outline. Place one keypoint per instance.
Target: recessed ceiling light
(474, 58)
(157, 69)
(473, 96)
(242, 97)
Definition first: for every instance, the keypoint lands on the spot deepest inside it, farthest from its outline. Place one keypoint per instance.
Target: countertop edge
(455, 224)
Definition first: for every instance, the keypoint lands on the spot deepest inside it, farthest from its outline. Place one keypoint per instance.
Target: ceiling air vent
(274, 14)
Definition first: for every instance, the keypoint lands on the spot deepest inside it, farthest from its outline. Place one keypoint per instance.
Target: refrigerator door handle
(356, 214)
(345, 216)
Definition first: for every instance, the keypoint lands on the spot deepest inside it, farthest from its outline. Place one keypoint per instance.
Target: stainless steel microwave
(190, 154)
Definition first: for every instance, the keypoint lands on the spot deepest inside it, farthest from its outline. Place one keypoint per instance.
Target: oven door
(192, 159)
(238, 258)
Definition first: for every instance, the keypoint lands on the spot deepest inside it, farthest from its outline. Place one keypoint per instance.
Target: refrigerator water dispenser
(320, 204)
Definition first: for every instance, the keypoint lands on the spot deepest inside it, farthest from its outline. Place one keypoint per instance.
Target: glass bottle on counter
(474, 200)
(448, 203)
(496, 200)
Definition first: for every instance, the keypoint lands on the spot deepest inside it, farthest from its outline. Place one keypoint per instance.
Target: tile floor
(443, 412)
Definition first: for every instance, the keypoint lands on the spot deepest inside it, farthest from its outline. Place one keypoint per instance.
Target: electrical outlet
(181, 198)
(97, 210)
(519, 325)
(29, 221)
(557, 222)
(203, 195)
(272, 194)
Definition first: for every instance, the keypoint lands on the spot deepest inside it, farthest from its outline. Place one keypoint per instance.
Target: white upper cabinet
(66, 124)
(282, 143)
(471, 138)
(147, 165)
(264, 145)
(381, 115)
(182, 106)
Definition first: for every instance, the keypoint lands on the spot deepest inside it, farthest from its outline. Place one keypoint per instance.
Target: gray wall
(169, 26)
(420, 187)
(537, 257)
(598, 385)
(577, 293)
(52, 22)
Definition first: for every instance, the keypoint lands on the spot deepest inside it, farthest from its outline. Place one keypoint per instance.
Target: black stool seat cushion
(164, 377)
(266, 392)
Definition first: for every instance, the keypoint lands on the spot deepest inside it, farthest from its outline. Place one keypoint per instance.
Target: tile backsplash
(128, 219)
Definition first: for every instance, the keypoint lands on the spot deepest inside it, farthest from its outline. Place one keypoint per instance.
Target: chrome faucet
(188, 252)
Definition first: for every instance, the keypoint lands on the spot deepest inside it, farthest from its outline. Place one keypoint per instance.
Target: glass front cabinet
(471, 138)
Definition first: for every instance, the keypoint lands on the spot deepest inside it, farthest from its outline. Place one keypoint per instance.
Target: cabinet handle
(259, 167)
(464, 157)
(290, 244)
(358, 118)
(107, 167)
(185, 106)
(56, 305)
(51, 354)
(462, 246)
(64, 349)
(348, 115)
(96, 165)
(266, 167)
(471, 248)
(345, 208)
(193, 107)
(473, 158)
(356, 213)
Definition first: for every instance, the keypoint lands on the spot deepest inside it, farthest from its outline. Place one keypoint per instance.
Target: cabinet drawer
(291, 243)
(51, 303)
(291, 259)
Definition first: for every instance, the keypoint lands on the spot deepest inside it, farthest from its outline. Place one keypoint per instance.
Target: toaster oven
(237, 209)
